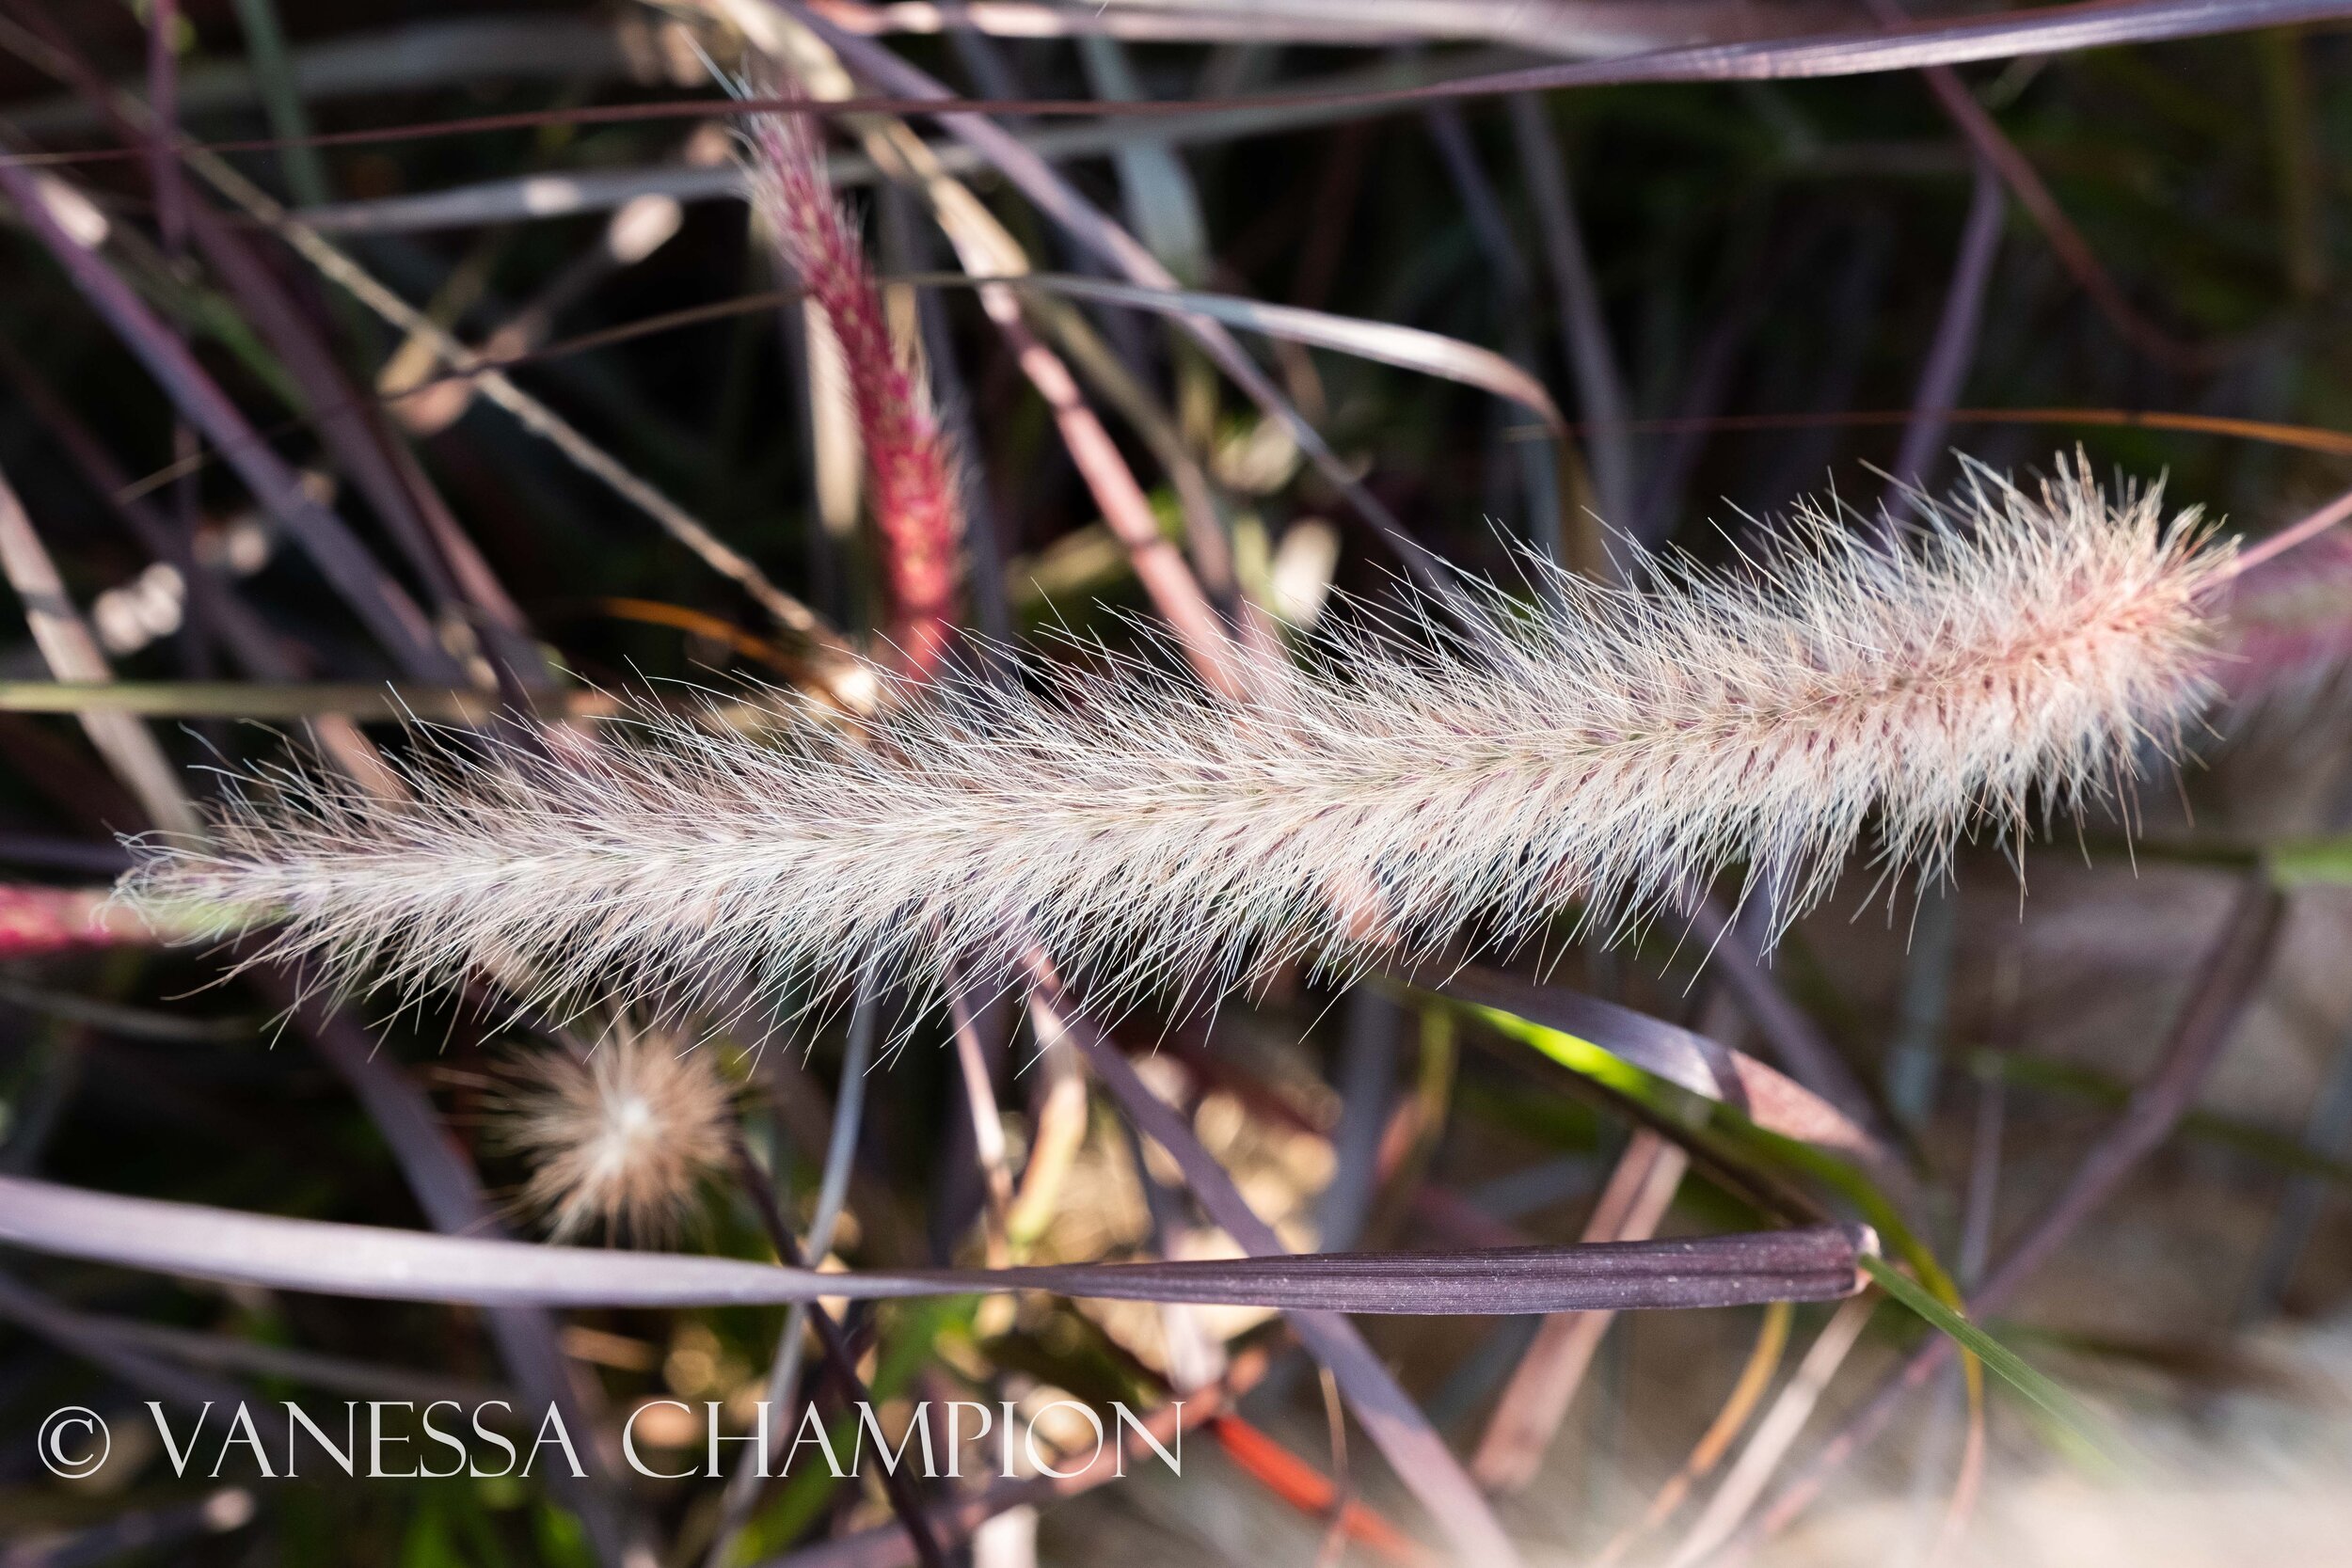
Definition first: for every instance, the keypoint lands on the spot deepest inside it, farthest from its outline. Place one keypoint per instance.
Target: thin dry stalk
(1057, 1102)
(1394, 1421)
(71, 650)
(987, 1127)
(1756, 1376)
(832, 1192)
(1537, 1400)
(845, 677)
(1954, 347)
(886, 1546)
(1752, 1470)
(636, 230)
(1126, 510)
(765, 21)
(2074, 251)
(839, 1367)
(1600, 392)
(1967, 1486)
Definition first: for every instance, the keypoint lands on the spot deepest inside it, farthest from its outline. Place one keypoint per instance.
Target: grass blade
(71, 652)
(2062, 1407)
(1384, 343)
(1602, 1039)
(1815, 1263)
(372, 593)
(263, 700)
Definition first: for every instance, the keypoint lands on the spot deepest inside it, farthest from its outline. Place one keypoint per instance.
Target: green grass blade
(2073, 1417)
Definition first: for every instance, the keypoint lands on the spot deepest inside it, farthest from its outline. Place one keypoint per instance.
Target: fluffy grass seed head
(620, 1140)
(1605, 747)
(916, 507)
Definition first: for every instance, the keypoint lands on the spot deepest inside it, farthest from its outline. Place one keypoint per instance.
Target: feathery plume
(913, 486)
(621, 1140)
(1608, 748)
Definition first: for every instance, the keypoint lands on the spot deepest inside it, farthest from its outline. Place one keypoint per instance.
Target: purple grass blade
(384, 472)
(1955, 344)
(1365, 1080)
(218, 609)
(320, 1370)
(1997, 36)
(1706, 1067)
(2002, 35)
(1600, 392)
(36, 1313)
(163, 97)
(1808, 1057)
(378, 1262)
(379, 601)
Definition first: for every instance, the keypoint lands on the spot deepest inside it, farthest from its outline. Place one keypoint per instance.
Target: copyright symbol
(73, 1442)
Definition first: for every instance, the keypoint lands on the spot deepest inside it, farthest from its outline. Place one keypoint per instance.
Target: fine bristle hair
(911, 479)
(620, 1139)
(1598, 747)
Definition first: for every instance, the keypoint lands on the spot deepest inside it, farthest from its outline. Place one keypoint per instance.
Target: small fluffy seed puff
(619, 1140)
(1598, 747)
